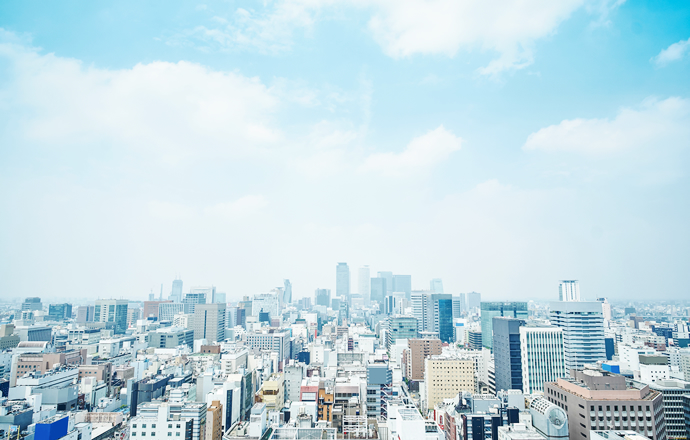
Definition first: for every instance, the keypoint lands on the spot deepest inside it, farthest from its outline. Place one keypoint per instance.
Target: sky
(499, 145)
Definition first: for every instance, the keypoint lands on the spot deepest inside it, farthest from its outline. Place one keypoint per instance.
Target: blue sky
(501, 146)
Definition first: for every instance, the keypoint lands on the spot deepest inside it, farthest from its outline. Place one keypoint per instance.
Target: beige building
(598, 400)
(272, 393)
(445, 377)
(214, 421)
(418, 351)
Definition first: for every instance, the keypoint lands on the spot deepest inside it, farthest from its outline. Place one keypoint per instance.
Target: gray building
(322, 297)
(474, 300)
(32, 304)
(400, 327)
(171, 337)
(342, 281)
(673, 392)
(112, 310)
(506, 346)
(378, 291)
(209, 322)
(403, 283)
(379, 380)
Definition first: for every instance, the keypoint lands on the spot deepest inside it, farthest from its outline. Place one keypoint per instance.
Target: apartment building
(445, 377)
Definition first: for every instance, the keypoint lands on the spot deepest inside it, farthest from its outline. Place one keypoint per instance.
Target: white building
(542, 356)
(159, 424)
(583, 331)
(569, 290)
(266, 302)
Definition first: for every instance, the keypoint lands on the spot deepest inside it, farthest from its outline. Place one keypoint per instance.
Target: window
(134, 425)
(143, 434)
(170, 434)
(178, 425)
(134, 434)
(177, 434)
(153, 425)
(143, 425)
(169, 425)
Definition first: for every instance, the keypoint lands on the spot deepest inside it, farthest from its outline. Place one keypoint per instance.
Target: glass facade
(490, 310)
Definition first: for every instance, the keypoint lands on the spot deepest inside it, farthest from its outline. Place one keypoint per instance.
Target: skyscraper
(176, 293)
(322, 297)
(388, 276)
(506, 346)
(436, 285)
(191, 300)
(342, 281)
(112, 310)
(605, 308)
(490, 310)
(364, 283)
(378, 291)
(459, 305)
(209, 322)
(569, 290)
(287, 292)
(474, 300)
(403, 283)
(543, 359)
(434, 313)
(583, 331)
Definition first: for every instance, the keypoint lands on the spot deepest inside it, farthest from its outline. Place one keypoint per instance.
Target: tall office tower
(176, 293)
(219, 297)
(379, 380)
(287, 292)
(605, 308)
(445, 377)
(474, 300)
(85, 314)
(191, 300)
(506, 345)
(419, 350)
(342, 281)
(32, 303)
(400, 327)
(378, 291)
(58, 312)
(474, 340)
(434, 313)
(322, 297)
(436, 285)
(569, 290)
(388, 276)
(364, 283)
(209, 293)
(267, 302)
(459, 305)
(542, 356)
(168, 310)
(394, 303)
(490, 310)
(112, 310)
(209, 322)
(583, 331)
(403, 283)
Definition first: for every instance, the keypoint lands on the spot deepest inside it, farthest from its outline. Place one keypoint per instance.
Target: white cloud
(674, 52)
(405, 28)
(655, 124)
(420, 155)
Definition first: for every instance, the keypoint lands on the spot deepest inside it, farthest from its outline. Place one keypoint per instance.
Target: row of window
(153, 434)
(153, 425)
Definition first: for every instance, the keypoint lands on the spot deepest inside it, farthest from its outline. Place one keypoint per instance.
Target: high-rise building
(419, 350)
(506, 346)
(267, 302)
(474, 340)
(58, 312)
(434, 313)
(364, 283)
(322, 297)
(474, 300)
(151, 309)
(32, 303)
(379, 379)
(459, 305)
(394, 304)
(214, 421)
(342, 281)
(490, 310)
(403, 283)
(378, 291)
(605, 308)
(445, 377)
(209, 322)
(287, 292)
(569, 290)
(583, 331)
(400, 327)
(209, 293)
(112, 310)
(542, 356)
(85, 314)
(388, 276)
(191, 300)
(176, 293)
(436, 285)
(605, 399)
(168, 310)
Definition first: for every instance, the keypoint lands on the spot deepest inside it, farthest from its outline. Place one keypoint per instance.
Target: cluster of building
(387, 362)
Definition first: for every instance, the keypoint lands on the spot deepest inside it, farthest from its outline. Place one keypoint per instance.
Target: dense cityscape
(371, 360)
